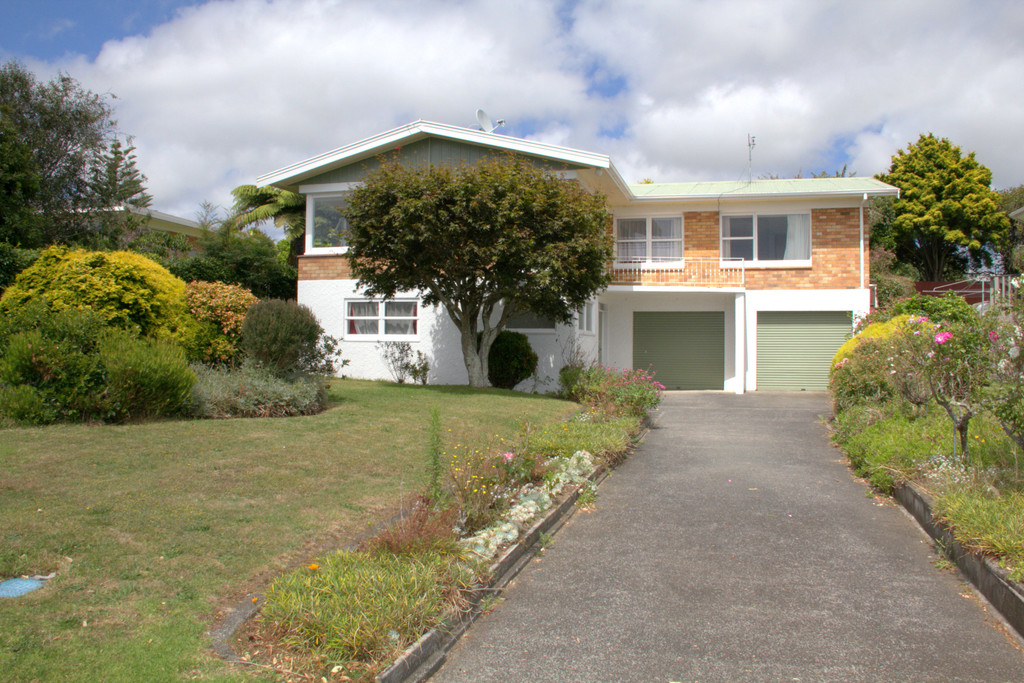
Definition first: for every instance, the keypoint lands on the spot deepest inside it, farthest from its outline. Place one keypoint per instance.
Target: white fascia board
(382, 142)
(762, 196)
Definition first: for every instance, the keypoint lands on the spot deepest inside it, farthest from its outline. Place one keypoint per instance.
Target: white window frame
(319, 192)
(649, 240)
(586, 318)
(754, 261)
(381, 317)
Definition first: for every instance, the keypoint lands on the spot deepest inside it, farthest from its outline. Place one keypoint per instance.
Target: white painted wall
(438, 339)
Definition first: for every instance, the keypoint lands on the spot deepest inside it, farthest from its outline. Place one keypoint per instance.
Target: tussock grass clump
(364, 606)
(986, 523)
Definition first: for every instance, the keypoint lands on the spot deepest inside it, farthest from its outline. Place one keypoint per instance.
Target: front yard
(151, 528)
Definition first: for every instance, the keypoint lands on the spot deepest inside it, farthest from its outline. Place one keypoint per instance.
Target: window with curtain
(657, 238)
(381, 318)
(783, 237)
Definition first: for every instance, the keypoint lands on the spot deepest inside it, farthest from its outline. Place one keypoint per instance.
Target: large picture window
(657, 238)
(381, 318)
(784, 237)
(329, 226)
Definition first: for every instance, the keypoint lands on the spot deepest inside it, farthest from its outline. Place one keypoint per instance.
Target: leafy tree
(79, 165)
(247, 258)
(947, 217)
(254, 205)
(481, 241)
(19, 185)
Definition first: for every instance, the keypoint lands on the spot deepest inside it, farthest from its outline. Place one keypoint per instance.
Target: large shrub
(218, 311)
(144, 377)
(69, 365)
(12, 261)
(511, 360)
(286, 338)
(126, 290)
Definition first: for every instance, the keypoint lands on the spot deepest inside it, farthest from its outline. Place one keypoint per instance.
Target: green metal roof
(791, 187)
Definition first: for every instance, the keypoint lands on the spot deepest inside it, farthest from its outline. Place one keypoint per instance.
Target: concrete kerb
(988, 578)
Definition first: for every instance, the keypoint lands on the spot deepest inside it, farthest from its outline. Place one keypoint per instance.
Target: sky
(217, 93)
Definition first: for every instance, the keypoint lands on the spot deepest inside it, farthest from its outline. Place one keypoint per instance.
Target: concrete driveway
(734, 545)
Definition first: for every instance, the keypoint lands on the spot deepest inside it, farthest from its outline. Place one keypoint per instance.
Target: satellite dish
(485, 121)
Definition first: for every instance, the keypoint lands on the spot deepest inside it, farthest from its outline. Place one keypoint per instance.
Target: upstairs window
(658, 238)
(369, 318)
(329, 227)
(756, 238)
(585, 318)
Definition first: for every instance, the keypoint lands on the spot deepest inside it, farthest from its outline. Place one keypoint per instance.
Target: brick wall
(324, 267)
(835, 258)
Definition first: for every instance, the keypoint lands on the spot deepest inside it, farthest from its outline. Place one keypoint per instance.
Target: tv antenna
(751, 143)
(485, 121)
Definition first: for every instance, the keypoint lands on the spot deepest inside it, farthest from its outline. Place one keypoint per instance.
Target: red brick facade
(325, 267)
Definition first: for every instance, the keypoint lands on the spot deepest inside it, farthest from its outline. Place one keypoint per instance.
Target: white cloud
(235, 88)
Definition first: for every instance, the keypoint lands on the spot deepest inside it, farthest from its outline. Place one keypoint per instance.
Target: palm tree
(287, 209)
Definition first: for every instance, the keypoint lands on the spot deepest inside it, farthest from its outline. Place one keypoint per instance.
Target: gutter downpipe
(862, 203)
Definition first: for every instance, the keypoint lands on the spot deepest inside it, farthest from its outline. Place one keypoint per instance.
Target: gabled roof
(291, 176)
(603, 171)
(766, 189)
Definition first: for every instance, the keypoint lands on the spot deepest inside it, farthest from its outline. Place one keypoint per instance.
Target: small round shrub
(286, 338)
(511, 359)
(125, 289)
(218, 311)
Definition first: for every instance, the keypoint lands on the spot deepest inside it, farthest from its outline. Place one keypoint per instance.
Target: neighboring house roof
(1018, 214)
(165, 222)
(598, 168)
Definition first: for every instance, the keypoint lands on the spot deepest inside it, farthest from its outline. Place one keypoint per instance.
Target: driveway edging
(991, 580)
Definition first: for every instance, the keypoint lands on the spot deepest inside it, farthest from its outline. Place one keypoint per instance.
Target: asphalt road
(735, 545)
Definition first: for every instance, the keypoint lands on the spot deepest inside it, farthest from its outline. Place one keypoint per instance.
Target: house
(733, 286)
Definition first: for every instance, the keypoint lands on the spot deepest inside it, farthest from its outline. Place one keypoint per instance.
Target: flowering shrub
(1007, 357)
(613, 391)
(219, 311)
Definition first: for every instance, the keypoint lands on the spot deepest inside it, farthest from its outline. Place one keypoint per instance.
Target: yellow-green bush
(876, 331)
(127, 290)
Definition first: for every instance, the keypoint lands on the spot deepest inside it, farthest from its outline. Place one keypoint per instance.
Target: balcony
(690, 272)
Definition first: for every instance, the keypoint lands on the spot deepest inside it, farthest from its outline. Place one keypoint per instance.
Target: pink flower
(508, 456)
(993, 336)
(943, 337)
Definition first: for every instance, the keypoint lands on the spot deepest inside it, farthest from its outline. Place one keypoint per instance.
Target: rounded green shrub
(511, 359)
(145, 378)
(286, 338)
(125, 289)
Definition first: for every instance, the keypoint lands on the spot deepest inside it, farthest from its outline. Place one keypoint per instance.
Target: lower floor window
(382, 318)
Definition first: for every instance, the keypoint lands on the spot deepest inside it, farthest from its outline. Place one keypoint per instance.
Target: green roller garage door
(686, 350)
(795, 348)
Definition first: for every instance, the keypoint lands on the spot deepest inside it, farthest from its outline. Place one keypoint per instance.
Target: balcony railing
(690, 272)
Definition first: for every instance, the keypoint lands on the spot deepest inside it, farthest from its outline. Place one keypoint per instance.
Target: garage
(795, 348)
(685, 349)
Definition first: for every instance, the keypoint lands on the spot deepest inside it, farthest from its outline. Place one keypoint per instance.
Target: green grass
(152, 528)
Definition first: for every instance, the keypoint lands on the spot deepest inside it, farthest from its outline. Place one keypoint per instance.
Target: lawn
(152, 528)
